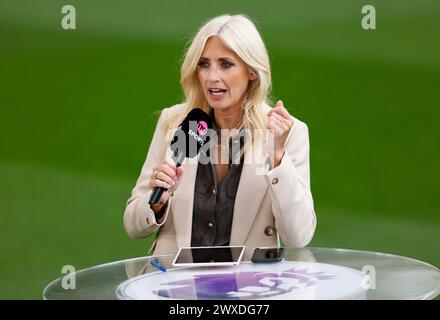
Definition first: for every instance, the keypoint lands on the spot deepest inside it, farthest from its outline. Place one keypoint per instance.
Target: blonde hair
(240, 34)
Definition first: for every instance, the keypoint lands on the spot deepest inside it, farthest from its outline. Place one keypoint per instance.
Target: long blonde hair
(240, 34)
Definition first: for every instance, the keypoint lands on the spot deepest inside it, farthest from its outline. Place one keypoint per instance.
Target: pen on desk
(156, 264)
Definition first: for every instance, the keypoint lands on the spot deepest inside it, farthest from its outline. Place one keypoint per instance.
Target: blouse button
(213, 191)
(210, 225)
(268, 231)
(274, 180)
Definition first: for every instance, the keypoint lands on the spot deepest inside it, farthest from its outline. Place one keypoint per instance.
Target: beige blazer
(270, 203)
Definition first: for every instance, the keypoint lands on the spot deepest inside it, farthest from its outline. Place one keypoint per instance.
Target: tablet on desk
(209, 256)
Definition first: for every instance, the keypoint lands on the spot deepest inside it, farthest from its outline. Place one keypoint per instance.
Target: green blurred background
(77, 114)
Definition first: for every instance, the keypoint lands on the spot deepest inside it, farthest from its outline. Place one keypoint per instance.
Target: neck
(227, 118)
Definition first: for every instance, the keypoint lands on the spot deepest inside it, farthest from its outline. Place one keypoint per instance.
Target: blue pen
(156, 264)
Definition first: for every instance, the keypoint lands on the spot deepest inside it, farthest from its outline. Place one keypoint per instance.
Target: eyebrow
(221, 58)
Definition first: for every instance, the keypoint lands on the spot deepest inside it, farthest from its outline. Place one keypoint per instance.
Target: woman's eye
(227, 65)
(203, 64)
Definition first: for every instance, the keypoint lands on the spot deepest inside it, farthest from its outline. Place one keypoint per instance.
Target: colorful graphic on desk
(284, 280)
(246, 284)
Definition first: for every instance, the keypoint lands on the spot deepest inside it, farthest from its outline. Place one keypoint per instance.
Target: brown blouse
(214, 201)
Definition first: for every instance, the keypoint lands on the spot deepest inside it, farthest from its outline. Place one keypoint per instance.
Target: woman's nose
(213, 75)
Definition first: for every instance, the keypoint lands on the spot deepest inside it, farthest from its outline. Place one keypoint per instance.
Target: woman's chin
(218, 105)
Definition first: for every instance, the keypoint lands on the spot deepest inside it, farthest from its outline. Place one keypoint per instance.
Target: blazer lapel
(250, 193)
(182, 203)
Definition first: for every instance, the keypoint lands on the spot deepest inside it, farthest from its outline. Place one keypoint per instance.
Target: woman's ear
(252, 75)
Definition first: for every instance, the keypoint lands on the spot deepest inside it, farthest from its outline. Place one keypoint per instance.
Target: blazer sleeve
(139, 219)
(289, 185)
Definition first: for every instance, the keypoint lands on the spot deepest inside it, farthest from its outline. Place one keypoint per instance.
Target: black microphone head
(192, 133)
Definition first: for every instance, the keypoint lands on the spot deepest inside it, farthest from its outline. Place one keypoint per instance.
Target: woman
(252, 201)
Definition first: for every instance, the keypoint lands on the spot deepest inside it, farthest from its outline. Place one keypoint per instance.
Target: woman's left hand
(279, 125)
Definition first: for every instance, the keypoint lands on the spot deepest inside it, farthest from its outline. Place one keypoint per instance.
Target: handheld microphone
(188, 138)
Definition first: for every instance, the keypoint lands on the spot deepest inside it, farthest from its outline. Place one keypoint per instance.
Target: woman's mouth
(216, 93)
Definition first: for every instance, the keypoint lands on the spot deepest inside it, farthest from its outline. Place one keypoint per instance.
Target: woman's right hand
(166, 175)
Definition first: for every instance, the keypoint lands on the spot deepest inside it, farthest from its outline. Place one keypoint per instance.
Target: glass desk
(309, 273)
